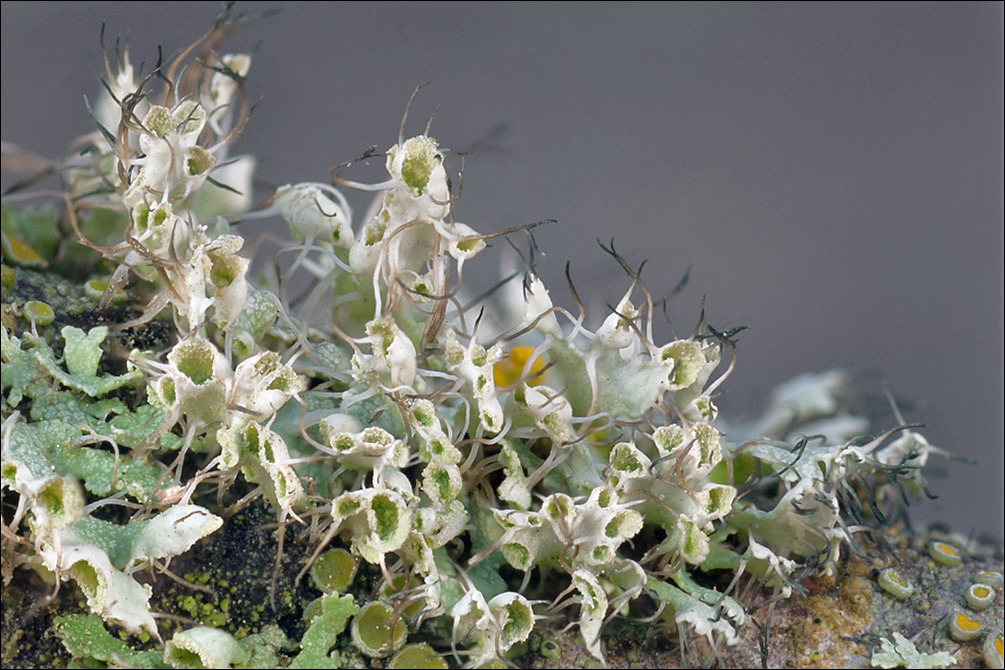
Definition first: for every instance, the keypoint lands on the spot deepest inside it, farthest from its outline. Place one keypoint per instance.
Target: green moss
(190, 605)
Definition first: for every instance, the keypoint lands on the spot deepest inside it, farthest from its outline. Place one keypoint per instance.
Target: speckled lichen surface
(838, 623)
(338, 457)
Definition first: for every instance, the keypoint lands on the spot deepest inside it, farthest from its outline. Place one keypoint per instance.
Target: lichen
(901, 653)
(481, 468)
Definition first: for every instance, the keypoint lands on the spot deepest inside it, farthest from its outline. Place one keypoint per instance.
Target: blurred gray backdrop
(833, 173)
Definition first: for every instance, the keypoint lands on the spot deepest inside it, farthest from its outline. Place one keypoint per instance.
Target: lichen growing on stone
(452, 470)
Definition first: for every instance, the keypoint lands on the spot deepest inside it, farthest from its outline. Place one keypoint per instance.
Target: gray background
(834, 173)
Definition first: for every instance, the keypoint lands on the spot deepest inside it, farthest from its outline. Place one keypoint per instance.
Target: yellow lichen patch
(9, 278)
(944, 553)
(979, 596)
(994, 653)
(17, 252)
(419, 655)
(95, 288)
(507, 371)
(989, 577)
(895, 584)
(39, 313)
(334, 570)
(821, 630)
(963, 629)
(377, 630)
